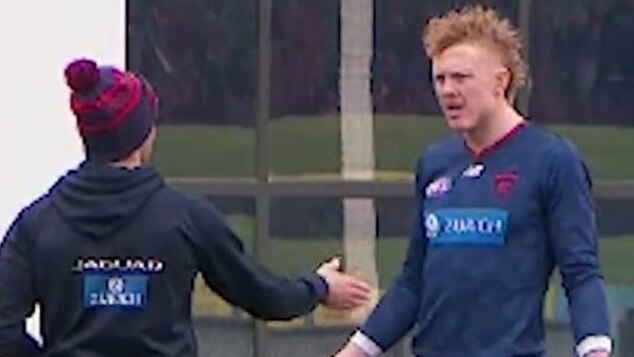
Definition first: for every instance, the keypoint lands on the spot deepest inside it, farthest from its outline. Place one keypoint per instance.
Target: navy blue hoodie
(111, 254)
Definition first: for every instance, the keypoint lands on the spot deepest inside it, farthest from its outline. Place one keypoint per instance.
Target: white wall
(38, 141)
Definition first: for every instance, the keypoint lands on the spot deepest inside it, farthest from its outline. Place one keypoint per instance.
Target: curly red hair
(481, 25)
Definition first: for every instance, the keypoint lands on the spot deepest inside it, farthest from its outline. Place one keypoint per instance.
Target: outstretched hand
(344, 290)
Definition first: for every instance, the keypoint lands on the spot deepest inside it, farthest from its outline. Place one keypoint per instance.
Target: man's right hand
(344, 291)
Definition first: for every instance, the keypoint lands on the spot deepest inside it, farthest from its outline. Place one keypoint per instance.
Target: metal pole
(262, 155)
(357, 143)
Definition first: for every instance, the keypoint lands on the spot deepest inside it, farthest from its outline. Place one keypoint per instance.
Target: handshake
(344, 291)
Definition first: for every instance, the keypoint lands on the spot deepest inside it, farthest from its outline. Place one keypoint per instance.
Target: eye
(459, 77)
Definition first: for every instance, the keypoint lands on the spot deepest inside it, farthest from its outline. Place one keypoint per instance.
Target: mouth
(453, 111)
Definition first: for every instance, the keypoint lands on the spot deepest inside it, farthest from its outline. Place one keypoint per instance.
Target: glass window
(304, 123)
(201, 57)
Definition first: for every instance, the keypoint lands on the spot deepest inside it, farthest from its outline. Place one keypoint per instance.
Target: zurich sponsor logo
(122, 291)
(438, 187)
(466, 226)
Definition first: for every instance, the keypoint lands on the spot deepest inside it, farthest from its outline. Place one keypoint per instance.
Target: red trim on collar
(479, 154)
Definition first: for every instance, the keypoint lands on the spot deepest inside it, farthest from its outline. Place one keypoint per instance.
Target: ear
(502, 81)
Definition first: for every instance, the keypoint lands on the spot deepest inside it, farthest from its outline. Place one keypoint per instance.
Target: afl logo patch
(438, 187)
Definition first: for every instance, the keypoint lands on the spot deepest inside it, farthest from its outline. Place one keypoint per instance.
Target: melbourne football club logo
(504, 182)
(438, 187)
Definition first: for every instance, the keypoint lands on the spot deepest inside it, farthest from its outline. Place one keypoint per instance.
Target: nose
(445, 88)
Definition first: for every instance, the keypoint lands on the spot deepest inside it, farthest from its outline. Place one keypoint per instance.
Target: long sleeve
(17, 298)
(573, 237)
(397, 310)
(239, 280)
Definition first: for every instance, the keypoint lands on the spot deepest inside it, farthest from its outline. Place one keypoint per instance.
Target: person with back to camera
(111, 251)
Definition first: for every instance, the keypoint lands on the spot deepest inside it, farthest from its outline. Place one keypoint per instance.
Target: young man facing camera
(500, 203)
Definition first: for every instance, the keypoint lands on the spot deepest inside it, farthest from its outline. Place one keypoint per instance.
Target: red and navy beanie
(115, 110)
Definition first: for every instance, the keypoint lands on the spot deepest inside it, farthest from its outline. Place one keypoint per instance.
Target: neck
(131, 162)
(493, 128)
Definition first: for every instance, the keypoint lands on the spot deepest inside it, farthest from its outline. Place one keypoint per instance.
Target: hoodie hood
(97, 200)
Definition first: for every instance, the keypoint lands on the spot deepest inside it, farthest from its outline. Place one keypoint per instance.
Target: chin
(460, 125)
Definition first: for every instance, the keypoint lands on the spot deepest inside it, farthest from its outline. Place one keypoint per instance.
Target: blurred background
(302, 121)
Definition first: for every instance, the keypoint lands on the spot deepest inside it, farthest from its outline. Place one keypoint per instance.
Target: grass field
(309, 146)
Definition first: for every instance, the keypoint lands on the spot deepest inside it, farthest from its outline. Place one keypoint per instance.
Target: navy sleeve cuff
(319, 284)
